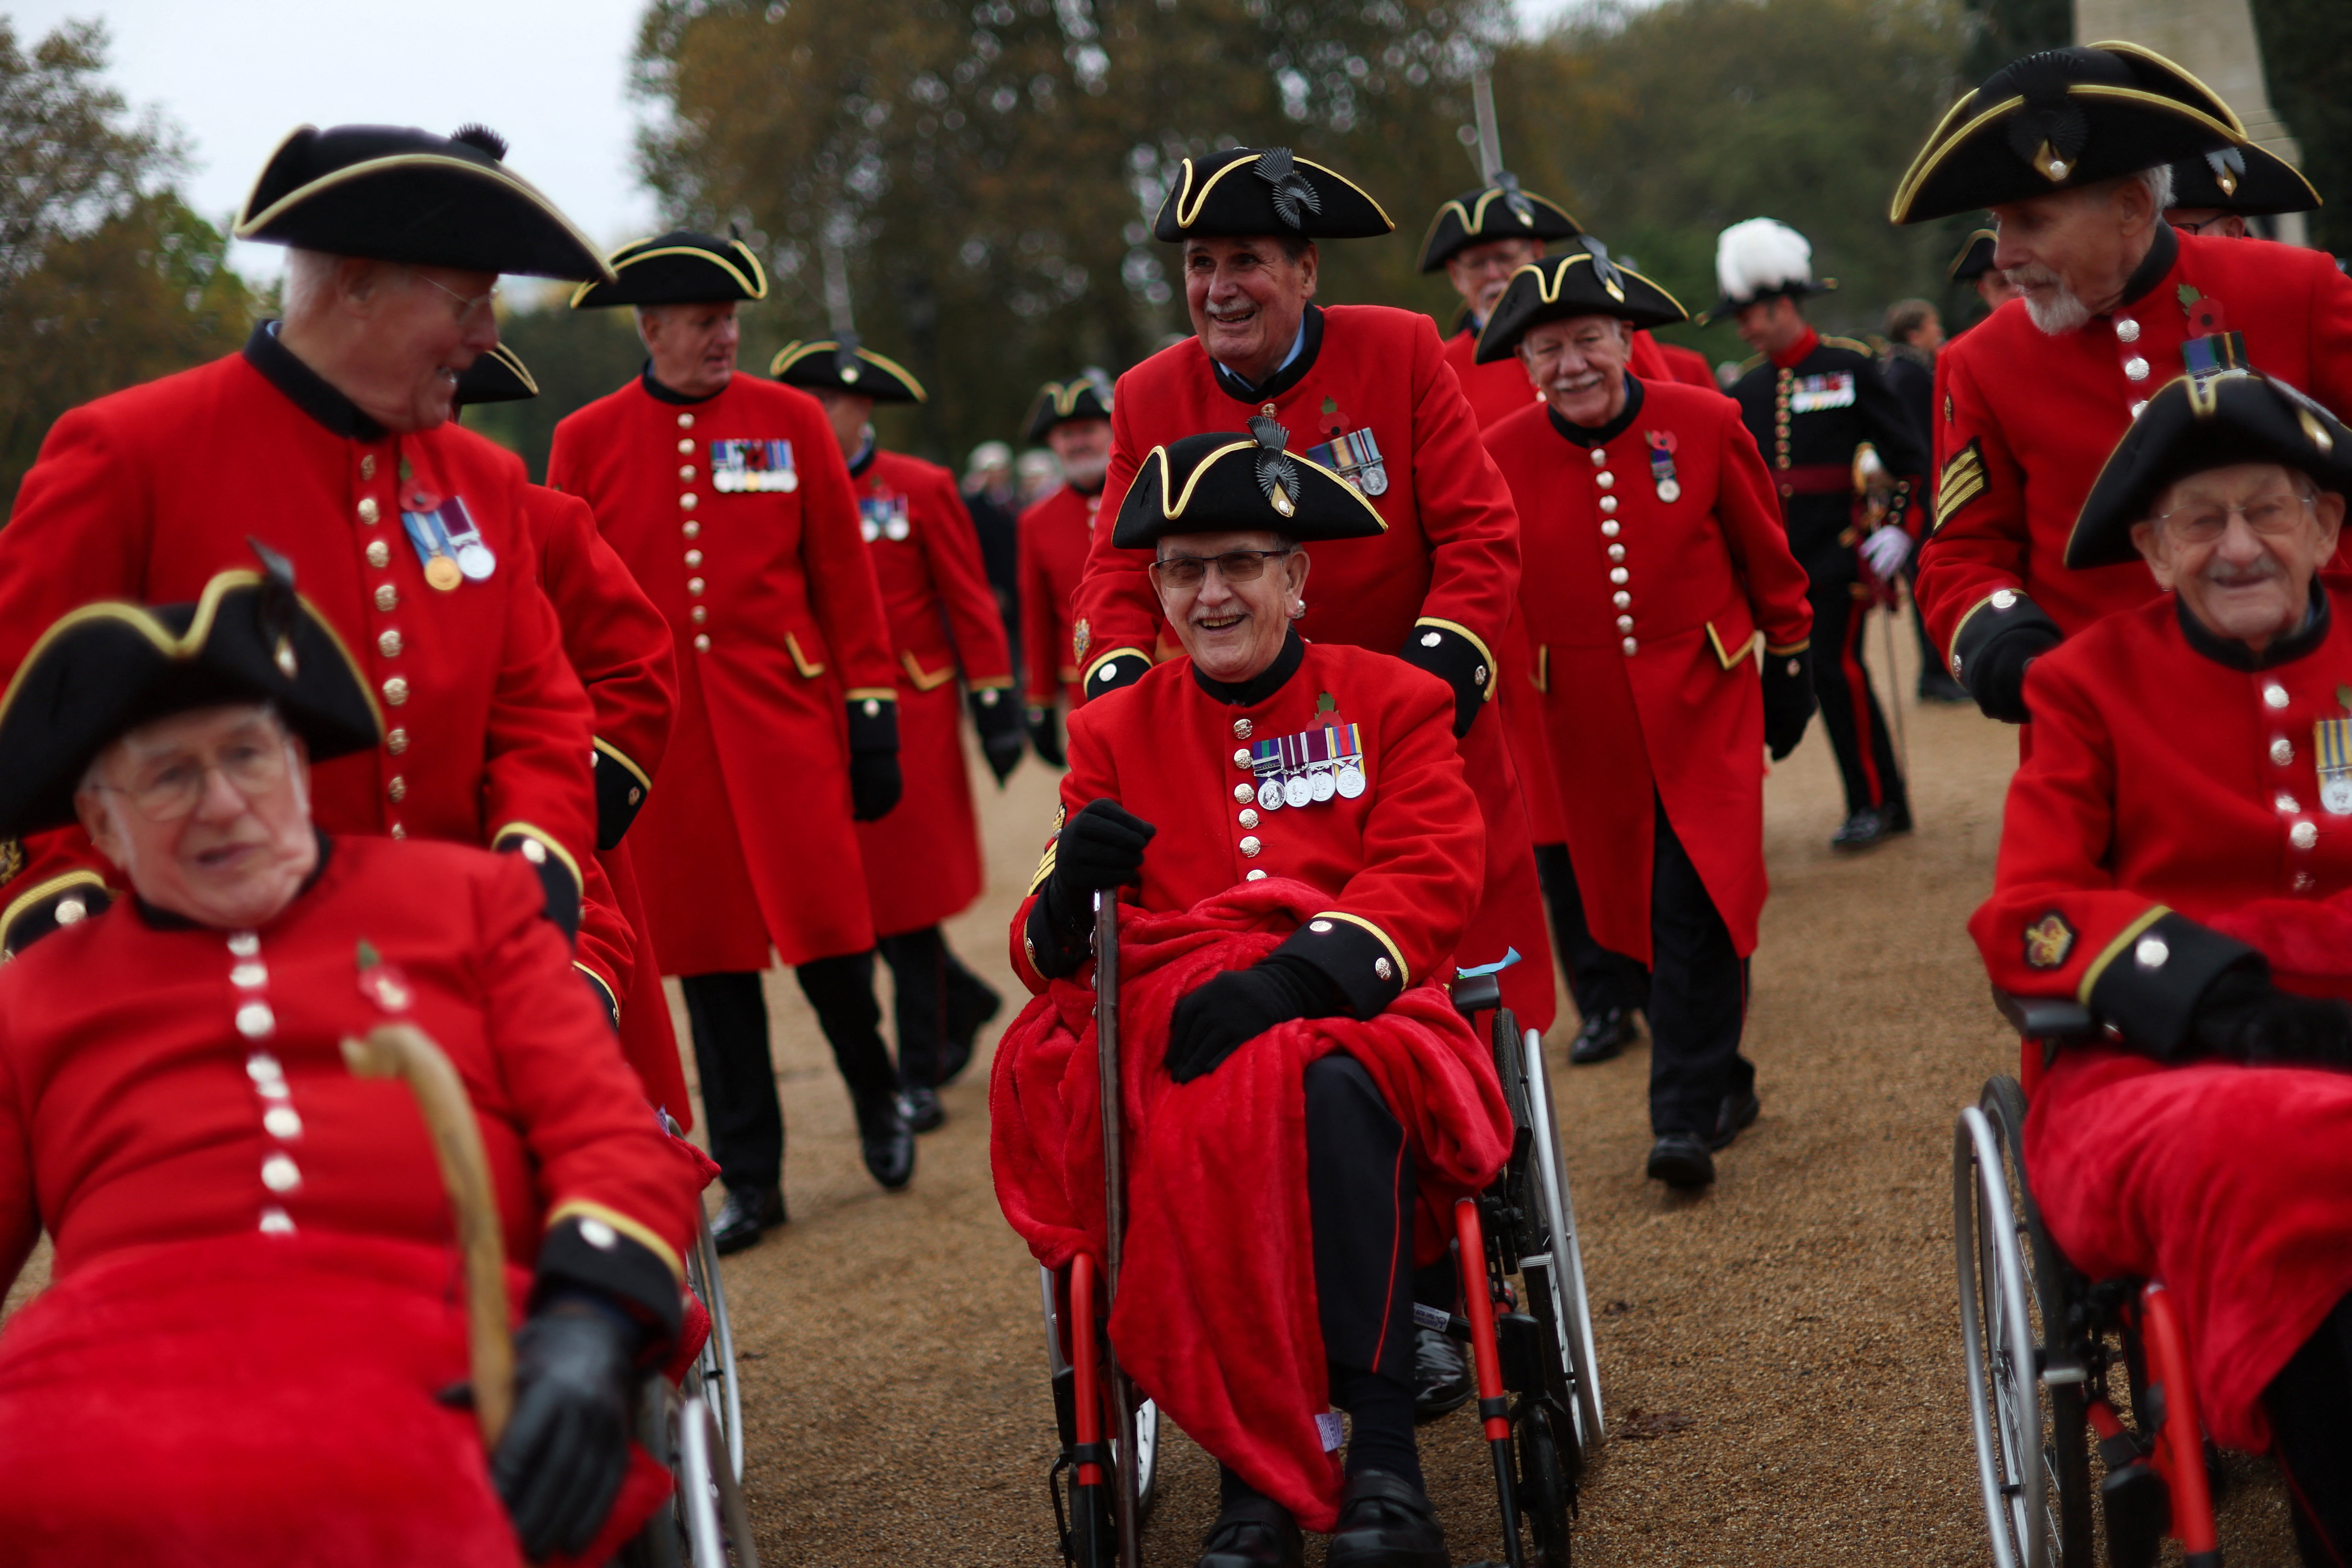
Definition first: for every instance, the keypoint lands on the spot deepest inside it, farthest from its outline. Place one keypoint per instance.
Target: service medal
(2331, 740)
(1269, 795)
(1669, 490)
(443, 573)
(1350, 782)
(475, 560)
(1321, 784)
(1297, 791)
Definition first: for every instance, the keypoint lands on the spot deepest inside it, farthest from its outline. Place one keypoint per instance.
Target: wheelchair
(2059, 1363)
(1527, 1320)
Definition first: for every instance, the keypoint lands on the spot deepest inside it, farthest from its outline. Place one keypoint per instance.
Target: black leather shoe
(1255, 1532)
(1385, 1522)
(886, 1140)
(921, 1108)
(1681, 1160)
(1866, 829)
(1603, 1035)
(748, 1214)
(1739, 1112)
(1441, 1376)
(1896, 815)
(971, 1003)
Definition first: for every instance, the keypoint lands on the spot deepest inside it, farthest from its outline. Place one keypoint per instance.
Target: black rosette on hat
(2062, 119)
(1580, 281)
(1239, 481)
(2200, 421)
(680, 268)
(1084, 396)
(1245, 191)
(1975, 257)
(1500, 211)
(2244, 180)
(109, 667)
(393, 192)
(497, 375)
(827, 365)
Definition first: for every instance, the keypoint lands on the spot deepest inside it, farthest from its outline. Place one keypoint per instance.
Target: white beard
(2060, 311)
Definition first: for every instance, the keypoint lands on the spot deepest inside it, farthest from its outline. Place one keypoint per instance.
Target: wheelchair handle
(407, 1052)
(2051, 1019)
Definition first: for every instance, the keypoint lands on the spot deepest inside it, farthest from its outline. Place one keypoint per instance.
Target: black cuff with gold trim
(583, 1252)
(605, 1001)
(1993, 645)
(1354, 957)
(1051, 941)
(873, 721)
(40, 910)
(1455, 658)
(620, 792)
(2149, 992)
(1119, 667)
(557, 877)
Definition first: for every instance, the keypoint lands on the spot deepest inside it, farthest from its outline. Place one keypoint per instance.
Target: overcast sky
(237, 75)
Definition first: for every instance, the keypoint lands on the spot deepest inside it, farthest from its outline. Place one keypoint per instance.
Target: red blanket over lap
(1216, 1318)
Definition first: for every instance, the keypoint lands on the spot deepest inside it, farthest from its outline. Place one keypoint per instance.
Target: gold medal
(443, 573)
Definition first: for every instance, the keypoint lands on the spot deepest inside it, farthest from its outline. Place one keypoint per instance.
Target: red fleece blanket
(1216, 1317)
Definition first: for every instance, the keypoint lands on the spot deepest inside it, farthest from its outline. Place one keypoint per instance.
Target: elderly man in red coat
(1655, 555)
(2070, 149)
(1073, 418)
(2177, 855)
(328, 441)
(246, 1348)
(727, 498)
(1368, 394)
(923, 861)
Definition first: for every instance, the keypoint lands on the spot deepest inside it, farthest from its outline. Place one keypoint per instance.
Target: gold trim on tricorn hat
(1249, 191)
(1083, 397)
(1500, 211)
(1578, 282)
(2059, 120)
(395, 193)
(1234, 481)
(680, 268)
(2245, 180)
(829, 364)
(497, 375)
(1975, 259)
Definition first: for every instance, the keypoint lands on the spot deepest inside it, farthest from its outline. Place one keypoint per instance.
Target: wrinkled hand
(1997, 679)
(1215, 1019)
(874, 785)
(560, 1464)
(1886, 549)
(2243, 1016)
(1046, 734)
(1788, 700)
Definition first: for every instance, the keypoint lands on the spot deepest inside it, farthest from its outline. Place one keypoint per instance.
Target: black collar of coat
(306, 388)
(1266, 683)
(2161, 253)
(2236, 655)
(864, 458)
(1283, 380)
(156, 919)
(661, 392)
(1601, 435)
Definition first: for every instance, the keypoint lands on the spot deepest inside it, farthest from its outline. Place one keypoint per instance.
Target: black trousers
(2310, 1407)
(1698, 996)
(1850, 711)
(729, 1019)
(1599, 980)
(926, 976)
(1360, 1197)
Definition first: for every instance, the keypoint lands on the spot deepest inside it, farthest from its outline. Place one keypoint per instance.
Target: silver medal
(788, 482)
(1321, 783)
(1297, 791)
(475, 560)
(1269, 794)
(2336, 794)
(1374, 481)
(1350, 782)
(1669, 490)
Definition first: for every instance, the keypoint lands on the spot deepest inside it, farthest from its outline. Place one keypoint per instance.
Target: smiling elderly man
(2070, 149)
(2177, 855)
(329, 440)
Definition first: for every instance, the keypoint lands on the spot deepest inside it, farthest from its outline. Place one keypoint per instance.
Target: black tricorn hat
(498, 375)
(395, 193)
(2245, 180)
(827, 365)
(1238, 480)
(2199, 422)
(680, 268)
(1500, 211)
(1084, 396)
(2059, 120)
(109, 667)
(1266, 190)
(1580, 281)
(1975, 259)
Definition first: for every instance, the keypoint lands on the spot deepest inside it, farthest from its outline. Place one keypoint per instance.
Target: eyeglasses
(2272, 515)
(466, 305)
(169, 788)
(1233, 566)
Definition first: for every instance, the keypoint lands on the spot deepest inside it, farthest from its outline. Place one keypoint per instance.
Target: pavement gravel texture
(1779, 1354)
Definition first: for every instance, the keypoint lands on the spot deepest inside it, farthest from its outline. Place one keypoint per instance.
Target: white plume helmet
(1762, 255)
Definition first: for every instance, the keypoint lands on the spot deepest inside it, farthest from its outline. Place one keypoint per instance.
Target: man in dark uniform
(1073, 418)
(1810, 403)
(1915, 334)
(727, 498)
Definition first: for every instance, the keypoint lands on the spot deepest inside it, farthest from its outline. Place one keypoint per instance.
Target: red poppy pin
(381, 983)
(2204, 313)
(1662, 441)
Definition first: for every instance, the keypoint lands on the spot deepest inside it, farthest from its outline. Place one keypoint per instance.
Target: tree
(2307, 65)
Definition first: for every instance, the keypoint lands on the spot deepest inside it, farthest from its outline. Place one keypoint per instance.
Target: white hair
(2158, 184)
(309, 282)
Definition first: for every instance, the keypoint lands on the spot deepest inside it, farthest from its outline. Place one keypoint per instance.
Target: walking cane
(1107, 1056)
(405, 1052)
(1893, 608)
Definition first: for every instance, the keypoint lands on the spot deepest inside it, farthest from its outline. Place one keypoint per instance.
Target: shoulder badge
(11, 860)
(1082, 638)
(2048, 941)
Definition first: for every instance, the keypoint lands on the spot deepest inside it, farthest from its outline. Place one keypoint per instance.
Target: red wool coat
(748, 843)
(1449, 561)
(1642, 615)
(147, 494)
(1054, 539)
(2023, 421)
(2171, 809)
(923, 862)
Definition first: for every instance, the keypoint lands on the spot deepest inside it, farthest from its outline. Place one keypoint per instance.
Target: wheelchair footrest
(2138, 1506)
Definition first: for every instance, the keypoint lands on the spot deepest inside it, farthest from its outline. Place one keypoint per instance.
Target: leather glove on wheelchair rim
(2243, 1016)
(561, 1463)
(1223, 1013)
(1789, 700)
(874, 785)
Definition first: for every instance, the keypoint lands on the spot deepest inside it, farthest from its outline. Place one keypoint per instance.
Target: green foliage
(2307, 64)
(2002, 30)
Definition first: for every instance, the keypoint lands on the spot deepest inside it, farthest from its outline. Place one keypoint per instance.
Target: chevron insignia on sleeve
(1960, 482)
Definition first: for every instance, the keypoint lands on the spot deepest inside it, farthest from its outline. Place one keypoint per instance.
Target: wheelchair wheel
(718, 1526)
(1078, 1542)
(1546, 1490)
(716, 1364)
(1573, 1308)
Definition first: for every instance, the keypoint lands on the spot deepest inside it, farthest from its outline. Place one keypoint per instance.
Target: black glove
(997, 717)
(560, 1464)
(1100, 848)
(1215, 1019)
(2243, 1016)
(1788, 700)
(874, 785)
(1454, 659)
(1995, 676)
(1046, 734)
